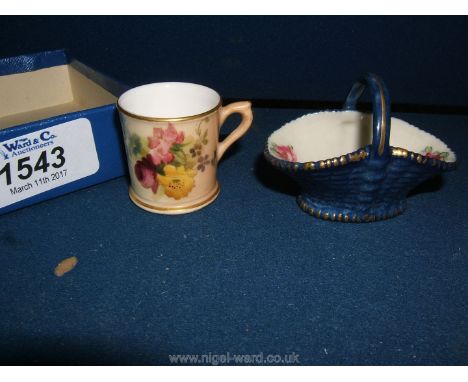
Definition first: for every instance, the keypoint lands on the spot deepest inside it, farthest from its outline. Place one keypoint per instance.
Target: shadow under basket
(348, 165)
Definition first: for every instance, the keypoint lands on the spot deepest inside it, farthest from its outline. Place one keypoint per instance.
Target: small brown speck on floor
(65, 266)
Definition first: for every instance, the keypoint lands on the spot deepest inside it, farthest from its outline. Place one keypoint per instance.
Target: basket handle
(381, 111)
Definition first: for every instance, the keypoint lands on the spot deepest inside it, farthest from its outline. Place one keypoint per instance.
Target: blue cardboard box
(59, 128)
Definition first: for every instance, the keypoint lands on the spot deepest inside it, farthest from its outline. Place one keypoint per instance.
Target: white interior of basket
(329, 134)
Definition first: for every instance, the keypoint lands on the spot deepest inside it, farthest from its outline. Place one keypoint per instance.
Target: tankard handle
(244, 108)
(381, 111)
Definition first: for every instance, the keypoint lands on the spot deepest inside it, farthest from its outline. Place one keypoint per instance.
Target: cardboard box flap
(43, 93)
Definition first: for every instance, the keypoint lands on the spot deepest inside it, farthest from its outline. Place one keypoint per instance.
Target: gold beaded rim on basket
(353, 157)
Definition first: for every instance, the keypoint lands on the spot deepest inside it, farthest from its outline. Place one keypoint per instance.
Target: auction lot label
(38, 162)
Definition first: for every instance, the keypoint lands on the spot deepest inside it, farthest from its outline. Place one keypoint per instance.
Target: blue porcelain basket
(348, 164)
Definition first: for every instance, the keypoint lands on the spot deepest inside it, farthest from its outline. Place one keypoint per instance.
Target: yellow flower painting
(177, 181)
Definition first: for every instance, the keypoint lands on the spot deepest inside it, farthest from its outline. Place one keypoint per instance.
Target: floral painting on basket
(428, 151)
(285, 152)
(168, 160)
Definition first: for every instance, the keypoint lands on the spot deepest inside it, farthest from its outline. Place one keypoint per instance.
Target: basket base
(349, 215)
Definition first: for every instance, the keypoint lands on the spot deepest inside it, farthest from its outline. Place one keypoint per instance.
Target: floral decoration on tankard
(168, 160)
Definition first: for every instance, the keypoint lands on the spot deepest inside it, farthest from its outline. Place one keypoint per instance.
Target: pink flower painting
(285, 152)
(161, 142)
(430, 153)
